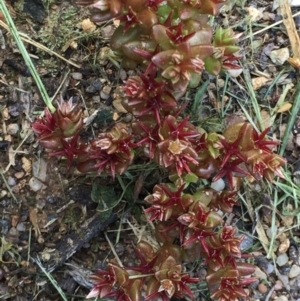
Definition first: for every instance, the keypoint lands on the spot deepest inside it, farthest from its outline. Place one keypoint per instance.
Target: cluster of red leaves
(158, 275)
(59, 133)
(173, 43)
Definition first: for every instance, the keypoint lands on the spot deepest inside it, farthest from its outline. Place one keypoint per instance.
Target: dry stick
(113, 250)
(290, 26)
(28, 40)
(268, 27)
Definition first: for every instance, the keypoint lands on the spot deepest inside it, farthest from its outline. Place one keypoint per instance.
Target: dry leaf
(115, 116)
(38, 220)
(258, 82)
(11, 156)
(295, 62)
(26, 165)
(254, 13)
(88, 26)
(266, 118)
(285, 107)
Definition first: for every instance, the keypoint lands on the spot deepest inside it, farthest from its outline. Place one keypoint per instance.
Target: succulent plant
(172, 43)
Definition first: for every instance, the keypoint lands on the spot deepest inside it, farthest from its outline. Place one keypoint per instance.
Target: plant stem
(140, 276)
(26, 57)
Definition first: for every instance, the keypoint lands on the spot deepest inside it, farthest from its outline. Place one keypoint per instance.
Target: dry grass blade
(28, 40)
(267, 28)
(290, 26)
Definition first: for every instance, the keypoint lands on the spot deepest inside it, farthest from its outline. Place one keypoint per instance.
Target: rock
(282, 259)
(39, 169)
(4, 226)
(12, 129)
(77, 75)
(11, 181)
(218, 185)
(295, 271)
(21, 227)
(262, 288)
(35, 184)
(278, 285)
(279, 56)
(246, 243)
(282, 298)
(284, 245)
(259, 274)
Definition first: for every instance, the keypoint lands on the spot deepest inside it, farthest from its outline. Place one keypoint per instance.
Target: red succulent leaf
(261, 142)
(228, 169)
(44, 126)
(70, 149)
(150, 140)
(175, 34)
(172, 128)
(103, 284)
(176, 154)
(68, 117)
(224, 201)
(129, 19)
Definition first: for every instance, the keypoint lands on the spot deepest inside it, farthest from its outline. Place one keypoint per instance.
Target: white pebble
(218, 185)
(295, 271)
(12, 129)
(35, 184)
(282, 259)
(11, 181)
(21, 227)
(39, 169)
(282, 298)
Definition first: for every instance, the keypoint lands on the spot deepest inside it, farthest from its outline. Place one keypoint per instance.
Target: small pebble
(259, 274)
(19, 174)
(103, 95)
(119, 249)
(35, 184)
(11, 181)
(282, 298)
(278, 285)
(218, 185)
(21, 227)
(270, 268)
(4, 226)
(106, 89)
(279, 56)
(295, 271)
(51, 199)
(262, 288)
(77, 75)
(282, 259)
(246, 243)
(39, 169)
(12, 129)
(3, 193)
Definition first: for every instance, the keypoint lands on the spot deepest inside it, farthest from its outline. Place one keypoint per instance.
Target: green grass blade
(198, 96)
(294, 112)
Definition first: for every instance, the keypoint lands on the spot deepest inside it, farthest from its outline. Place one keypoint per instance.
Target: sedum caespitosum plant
(171, 43)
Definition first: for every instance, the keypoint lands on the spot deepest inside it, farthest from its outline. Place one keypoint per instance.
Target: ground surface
(48, 212)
